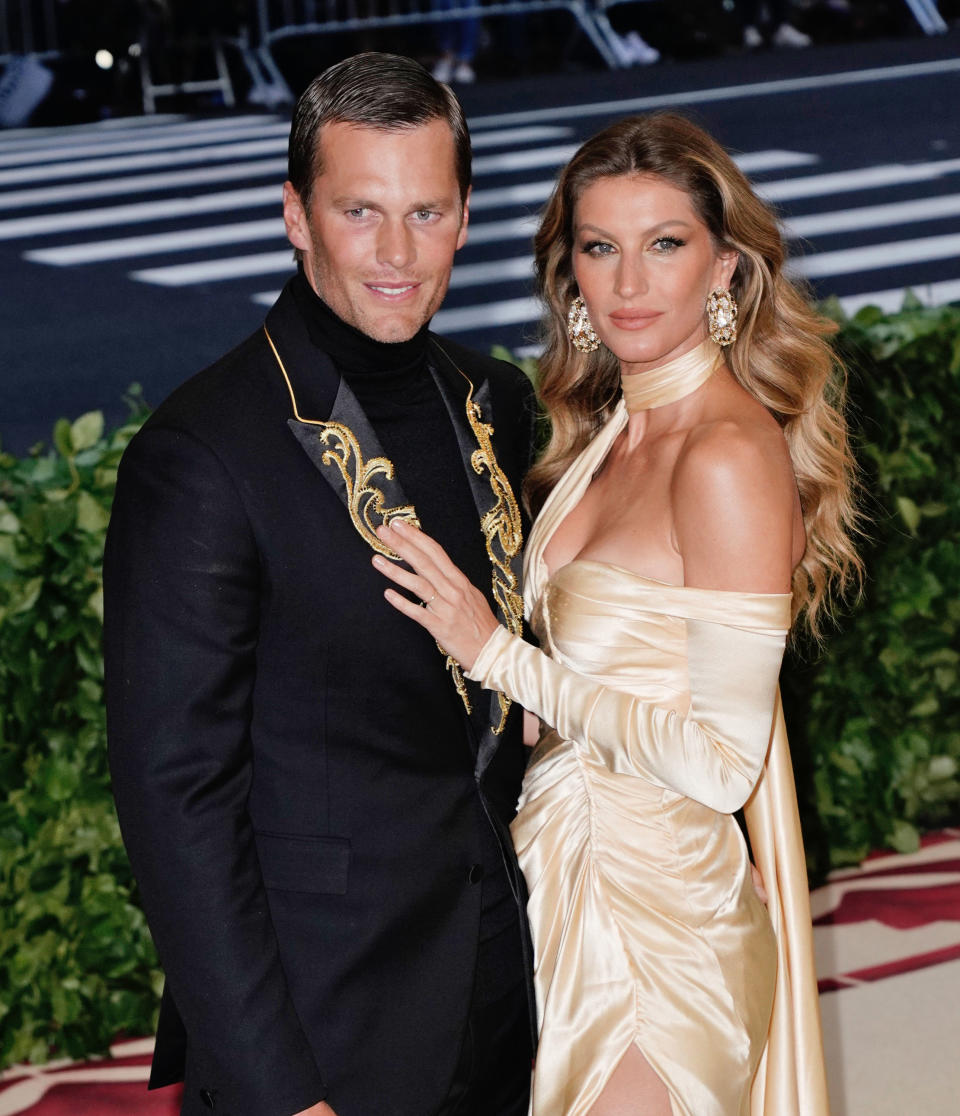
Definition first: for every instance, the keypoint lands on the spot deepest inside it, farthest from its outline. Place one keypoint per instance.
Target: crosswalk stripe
(120, 128)
(18, 137)
(265, 298)
(511, 311)
(890, 301)
(273, 263)
(215, 271)
(214, 165)
(865, 178)
(865, 217)
(108, 216)
(187, 240)
(151, 142)
(485, 164)
(754, 162)
(624, 106)
(514, 228)
(845, 261)
(510, 161)
(142, 183)
(183, 240)
(492, 271)
(123, 163)
(34, 197)
(522, 193)
(873, 216)
(501, 137)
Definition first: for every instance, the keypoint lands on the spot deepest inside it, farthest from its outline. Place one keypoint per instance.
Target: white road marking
(109, 216)
(228, 131)
(511, 311)
(873, 216)
(864, 178)
(874, 256)
(723, 93)
(219, 153)
(143, 183)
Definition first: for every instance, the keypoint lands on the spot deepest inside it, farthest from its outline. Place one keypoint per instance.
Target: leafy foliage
(77, 966)
(874, 722)
(879, 713)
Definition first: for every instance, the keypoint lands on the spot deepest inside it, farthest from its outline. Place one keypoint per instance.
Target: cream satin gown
(646, 926)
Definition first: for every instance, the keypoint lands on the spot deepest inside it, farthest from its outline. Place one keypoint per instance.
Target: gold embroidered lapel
(365, 502)
(368, 507)
(502, 531)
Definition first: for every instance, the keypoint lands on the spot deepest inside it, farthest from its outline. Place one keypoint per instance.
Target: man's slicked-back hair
(372, 90)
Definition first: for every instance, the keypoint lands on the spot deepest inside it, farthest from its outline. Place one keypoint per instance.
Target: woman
(694, 502)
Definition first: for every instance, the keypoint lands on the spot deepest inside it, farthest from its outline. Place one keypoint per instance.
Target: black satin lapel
(454, 388)
(311, 376)
(348, 454)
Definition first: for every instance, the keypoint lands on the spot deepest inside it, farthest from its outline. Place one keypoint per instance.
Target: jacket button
(209, 1097)
(475, 875)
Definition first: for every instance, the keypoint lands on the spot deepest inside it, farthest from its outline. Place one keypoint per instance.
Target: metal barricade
(28, 27)
(926, 13)
(283, 19)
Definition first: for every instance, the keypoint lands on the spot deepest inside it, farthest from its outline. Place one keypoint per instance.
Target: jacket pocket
(314, 864)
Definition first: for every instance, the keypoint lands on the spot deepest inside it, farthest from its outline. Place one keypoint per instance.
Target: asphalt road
(140, 250)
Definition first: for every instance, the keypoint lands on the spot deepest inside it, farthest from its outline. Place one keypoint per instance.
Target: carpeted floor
(887, 937)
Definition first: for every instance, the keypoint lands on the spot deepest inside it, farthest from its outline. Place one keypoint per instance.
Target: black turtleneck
(394, 386)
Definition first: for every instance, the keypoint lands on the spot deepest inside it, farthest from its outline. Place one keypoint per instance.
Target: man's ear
(295, 218)
(464, 220)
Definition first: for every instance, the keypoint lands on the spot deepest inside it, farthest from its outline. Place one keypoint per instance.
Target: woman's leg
(634, 1089)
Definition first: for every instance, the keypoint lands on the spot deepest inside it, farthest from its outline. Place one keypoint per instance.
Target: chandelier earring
(722, 313)
(582, 335)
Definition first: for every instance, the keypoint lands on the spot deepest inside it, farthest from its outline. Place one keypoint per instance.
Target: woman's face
(645, 264)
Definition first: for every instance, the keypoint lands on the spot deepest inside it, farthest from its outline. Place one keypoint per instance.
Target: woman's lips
(634, 319)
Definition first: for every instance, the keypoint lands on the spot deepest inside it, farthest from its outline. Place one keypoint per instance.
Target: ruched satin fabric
(647, 930)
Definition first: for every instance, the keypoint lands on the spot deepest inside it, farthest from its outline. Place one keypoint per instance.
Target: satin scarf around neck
(671, 381)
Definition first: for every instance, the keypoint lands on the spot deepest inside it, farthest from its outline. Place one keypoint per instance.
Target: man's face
(382, 226)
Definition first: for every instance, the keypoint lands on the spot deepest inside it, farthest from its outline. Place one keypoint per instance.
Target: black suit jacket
(295, 775)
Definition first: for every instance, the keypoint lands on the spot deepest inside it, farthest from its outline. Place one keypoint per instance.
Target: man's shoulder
(230, 392)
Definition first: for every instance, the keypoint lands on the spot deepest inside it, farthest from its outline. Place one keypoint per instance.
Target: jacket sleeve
(713, 754)
(181, 582)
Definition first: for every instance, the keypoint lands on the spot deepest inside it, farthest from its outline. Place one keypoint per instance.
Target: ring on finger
(427, 604)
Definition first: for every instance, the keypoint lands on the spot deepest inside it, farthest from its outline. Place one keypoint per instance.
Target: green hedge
(874, 721)
(77, 966)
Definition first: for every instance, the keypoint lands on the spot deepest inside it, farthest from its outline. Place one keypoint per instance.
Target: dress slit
(629, 1091)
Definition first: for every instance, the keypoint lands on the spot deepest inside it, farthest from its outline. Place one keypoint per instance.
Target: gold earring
(582, 335)
(722, 313)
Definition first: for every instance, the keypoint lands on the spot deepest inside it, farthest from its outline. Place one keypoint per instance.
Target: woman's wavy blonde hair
(780, 356)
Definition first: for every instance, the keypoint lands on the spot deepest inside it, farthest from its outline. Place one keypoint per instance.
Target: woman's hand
(454, 612)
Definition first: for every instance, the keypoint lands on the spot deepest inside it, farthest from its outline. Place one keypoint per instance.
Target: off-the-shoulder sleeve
(714, 754)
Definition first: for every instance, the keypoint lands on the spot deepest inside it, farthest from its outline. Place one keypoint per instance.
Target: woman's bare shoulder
(733, 501)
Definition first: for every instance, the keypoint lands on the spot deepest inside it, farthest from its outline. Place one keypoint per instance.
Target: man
(313, 798)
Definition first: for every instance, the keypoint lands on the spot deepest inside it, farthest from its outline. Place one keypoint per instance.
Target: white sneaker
(643, 53)
(464, 73)
(787, 35)
(752, 39)
(443, 70)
